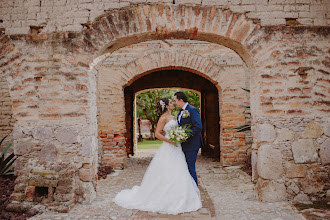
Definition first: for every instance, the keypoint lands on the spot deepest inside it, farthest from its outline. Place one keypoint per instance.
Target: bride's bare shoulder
(162, 119)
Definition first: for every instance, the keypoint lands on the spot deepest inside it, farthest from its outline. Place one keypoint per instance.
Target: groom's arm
(195, 121)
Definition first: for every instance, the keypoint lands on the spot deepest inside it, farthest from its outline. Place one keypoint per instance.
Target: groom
(189, 115)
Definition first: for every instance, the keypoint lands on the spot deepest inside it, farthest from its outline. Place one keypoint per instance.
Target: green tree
(193, 98)
(147, 104)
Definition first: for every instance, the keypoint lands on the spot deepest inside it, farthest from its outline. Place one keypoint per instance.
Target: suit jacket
(195, 141)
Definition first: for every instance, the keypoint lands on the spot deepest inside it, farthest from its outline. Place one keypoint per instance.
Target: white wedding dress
(167, 186)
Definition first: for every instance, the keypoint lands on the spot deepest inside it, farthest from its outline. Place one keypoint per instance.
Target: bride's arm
(160, 125)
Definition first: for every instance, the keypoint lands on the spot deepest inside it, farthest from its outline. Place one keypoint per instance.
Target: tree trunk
(152, 132)
(140, 139)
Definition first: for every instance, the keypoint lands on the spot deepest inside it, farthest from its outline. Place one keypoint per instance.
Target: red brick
(30, 193)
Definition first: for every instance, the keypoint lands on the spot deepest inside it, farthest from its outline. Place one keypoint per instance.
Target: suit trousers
(191, 157)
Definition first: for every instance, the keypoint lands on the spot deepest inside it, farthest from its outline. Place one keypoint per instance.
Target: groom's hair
(181, 95)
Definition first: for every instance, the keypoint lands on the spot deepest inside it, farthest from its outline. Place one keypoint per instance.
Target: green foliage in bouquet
(6, 163)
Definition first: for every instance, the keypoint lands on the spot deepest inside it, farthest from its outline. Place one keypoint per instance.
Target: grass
(146, 144)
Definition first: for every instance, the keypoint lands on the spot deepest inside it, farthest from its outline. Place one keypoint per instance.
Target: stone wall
(53, 134)
(52, 83)
(6, 116)
(293, 159)
(46, 16)
(291, 133)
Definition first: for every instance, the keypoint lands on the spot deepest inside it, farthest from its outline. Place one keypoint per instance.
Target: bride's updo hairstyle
(162, 105)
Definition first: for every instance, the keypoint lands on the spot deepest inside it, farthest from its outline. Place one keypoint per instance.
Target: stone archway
(63, 114)
(230, 97)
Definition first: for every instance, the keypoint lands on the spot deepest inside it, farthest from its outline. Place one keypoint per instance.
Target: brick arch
(138, 23)
(114, 154)
(143, 22)
(179, 59)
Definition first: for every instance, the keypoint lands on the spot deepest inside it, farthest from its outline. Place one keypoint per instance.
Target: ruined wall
(52, 135)
(51, 79)
(292, 142)
(47, 16)
(111, 80)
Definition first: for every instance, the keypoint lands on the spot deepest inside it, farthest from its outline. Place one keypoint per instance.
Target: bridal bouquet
(180, 134)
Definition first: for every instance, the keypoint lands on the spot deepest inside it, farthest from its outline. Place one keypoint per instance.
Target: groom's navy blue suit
(194, 142)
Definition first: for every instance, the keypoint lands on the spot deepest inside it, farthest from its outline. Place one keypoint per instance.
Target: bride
(167, 186)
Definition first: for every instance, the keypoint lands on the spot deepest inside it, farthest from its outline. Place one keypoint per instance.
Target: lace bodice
(169, 126)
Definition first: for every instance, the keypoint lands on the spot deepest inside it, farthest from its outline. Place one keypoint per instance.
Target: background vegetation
(146, 104)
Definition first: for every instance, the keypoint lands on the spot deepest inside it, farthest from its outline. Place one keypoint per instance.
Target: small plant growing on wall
(6, 163)
(246, 127)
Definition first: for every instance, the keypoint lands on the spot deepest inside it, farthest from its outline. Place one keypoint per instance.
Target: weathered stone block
(266, 133)
(292, 188)
(325, 152)
(295, 170)
(66, 136)
(65, 181)
(269, 162)
(63, 197)
(48, 153)
(215, 2)
(20, 187)
(87, 146)
(313, 130)
(89, 192)
(64, 189)
(327, 129)
(18, 207)
(254, 162)
(86, 175)
(269, 191)
(37, 209)
(87, 165)
(302, 198)
(42, 133)
(17, 197)
(17, 133)
(22, 147)
(285, 134)
(50, 174)
(312, 184)
(30, 193)
(304, 151)
(42, 182)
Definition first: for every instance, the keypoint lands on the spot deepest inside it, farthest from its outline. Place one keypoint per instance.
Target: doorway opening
(174, 78)
(147, 114)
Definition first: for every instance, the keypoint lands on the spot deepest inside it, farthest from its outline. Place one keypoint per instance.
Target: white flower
(185, 114)
(179, 134)
(162, 103)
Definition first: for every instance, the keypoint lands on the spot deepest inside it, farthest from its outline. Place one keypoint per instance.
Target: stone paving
(227, 193)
